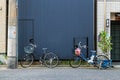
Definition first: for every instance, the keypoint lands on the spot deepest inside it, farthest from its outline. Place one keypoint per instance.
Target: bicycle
(49, 59)
(99, 61)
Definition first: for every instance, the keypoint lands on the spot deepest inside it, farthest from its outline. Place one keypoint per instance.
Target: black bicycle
(49, 59)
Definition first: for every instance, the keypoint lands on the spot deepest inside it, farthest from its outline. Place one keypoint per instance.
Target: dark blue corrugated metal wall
(55, 23)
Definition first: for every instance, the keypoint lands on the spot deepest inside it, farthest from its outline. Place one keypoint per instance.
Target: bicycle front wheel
(75, 62)
(51, 60)
(27, 60)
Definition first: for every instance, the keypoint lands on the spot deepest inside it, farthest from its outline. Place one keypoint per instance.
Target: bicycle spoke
(26, 61)
(51, 60)
(75, 62)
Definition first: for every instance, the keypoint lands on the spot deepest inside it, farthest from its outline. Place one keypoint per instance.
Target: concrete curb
(4, 67)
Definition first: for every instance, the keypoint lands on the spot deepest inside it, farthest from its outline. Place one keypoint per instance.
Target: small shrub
(105, 42)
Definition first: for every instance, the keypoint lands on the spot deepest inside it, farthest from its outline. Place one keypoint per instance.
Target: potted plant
(105, 43)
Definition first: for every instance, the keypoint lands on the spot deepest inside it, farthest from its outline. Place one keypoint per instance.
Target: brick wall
(2, 26)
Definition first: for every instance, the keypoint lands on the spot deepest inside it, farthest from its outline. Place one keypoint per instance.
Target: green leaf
(105, 42)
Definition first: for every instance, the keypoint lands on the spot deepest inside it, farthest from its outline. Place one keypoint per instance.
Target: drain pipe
(12, 51)
(104, 15)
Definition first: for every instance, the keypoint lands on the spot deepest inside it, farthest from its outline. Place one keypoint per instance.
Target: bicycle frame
(90, 59)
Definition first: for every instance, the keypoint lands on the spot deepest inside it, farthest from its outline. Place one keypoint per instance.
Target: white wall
(112, 6)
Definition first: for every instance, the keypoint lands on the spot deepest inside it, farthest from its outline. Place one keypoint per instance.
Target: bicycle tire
(75, 62)
(27, 60)
(50, 60)
(100, 59)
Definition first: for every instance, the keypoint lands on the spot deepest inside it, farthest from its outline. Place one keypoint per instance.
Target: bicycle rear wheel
(75, 62)
(100, 60)
(27, 60)
(51, 60)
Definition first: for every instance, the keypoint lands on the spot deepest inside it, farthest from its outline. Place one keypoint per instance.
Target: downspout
(104, 15)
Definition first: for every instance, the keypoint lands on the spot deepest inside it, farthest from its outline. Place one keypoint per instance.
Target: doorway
(115, 33)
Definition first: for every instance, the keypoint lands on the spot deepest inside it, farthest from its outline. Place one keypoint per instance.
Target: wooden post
(12, 35)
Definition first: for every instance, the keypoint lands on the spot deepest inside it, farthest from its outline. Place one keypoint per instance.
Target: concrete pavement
(59, 73)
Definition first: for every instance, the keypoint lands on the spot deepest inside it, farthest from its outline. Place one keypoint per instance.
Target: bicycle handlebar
(32, 43)
(81, 46)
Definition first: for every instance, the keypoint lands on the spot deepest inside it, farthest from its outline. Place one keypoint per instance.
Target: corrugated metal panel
(56, 22)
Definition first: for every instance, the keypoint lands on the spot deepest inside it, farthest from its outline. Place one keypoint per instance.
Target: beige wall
(2, 26)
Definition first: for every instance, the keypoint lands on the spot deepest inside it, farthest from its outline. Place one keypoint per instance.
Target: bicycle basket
(77, 51)
(29, 49)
